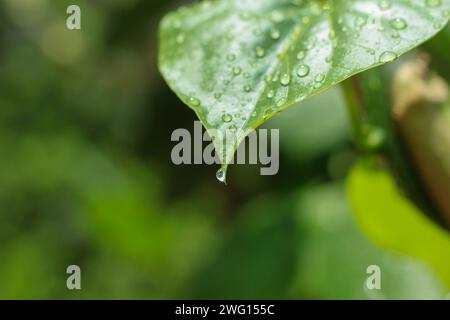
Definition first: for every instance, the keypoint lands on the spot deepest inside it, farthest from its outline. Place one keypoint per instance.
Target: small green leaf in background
(237, 63)
(333, 254)
(393, 222)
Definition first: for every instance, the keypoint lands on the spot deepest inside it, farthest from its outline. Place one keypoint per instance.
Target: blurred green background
(86, 179)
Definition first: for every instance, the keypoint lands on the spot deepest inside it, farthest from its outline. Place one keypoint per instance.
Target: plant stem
(355, 109)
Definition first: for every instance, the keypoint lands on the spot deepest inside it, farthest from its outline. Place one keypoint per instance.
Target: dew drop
(227, 118)
(399, 24)
(332, 35)
(276, 77)
(437, 25)
(247, 88)
(388, 56)
(194, 101)
(319, 78)
(384, 4)
(237, 71)
(285, 80)
(281, 102)
(232, 128)
(277, 16)
(268, 112)
(271, 94)
(303, 71)
(231, 57)
(275, 34)
(301, 55)
(259, 51)
(360, 22)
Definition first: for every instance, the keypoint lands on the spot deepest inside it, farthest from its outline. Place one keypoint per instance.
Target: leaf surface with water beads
(237, 63)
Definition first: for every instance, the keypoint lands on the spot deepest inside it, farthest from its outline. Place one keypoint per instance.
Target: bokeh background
(86, 179)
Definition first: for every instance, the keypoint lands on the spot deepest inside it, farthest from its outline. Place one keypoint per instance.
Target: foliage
(237, 63)
(85, 178)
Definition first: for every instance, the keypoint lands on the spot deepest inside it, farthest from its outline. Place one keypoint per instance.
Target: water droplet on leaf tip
(221, 175)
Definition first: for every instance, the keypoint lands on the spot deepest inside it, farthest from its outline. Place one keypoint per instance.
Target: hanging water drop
(221, 175)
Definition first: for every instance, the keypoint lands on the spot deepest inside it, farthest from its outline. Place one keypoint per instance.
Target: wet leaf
(237, 63)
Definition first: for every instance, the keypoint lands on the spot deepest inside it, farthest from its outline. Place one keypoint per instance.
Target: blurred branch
(423, 119)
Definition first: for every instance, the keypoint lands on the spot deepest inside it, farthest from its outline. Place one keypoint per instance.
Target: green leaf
(393, 222)
(237, 63)
(334, 254)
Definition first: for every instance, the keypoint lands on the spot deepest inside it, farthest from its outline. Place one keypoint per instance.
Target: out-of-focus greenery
(381, 215)
(86, 179)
